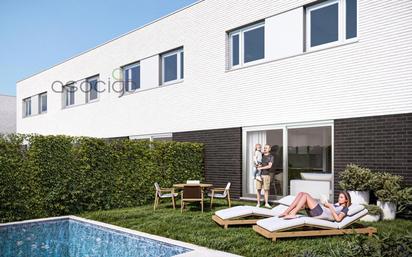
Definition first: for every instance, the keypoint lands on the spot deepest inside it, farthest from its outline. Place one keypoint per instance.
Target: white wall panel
(284, 34)
(369, 77)
(149, 70)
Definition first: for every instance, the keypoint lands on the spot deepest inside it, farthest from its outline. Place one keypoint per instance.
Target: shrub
(356, 178)
(387, 187)
(385, 245)
(60, 175)
(405, 202)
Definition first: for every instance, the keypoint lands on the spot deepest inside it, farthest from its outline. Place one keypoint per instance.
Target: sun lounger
(245, 215)
(275, 227)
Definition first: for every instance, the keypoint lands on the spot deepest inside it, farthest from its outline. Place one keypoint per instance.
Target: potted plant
(374, 213)
(388, 190)
(358, 182)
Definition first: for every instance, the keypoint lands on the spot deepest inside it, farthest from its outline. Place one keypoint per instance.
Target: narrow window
(92, 89)
(247, 45)
(27, 107)
(351, 19)
(69, 92)
(172, 66)
(131, 75)
(235, 50)
(43, 103)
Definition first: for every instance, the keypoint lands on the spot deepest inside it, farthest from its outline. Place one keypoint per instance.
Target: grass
(198, 228)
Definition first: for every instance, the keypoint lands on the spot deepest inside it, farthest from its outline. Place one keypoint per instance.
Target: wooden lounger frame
(238, 221)
(312, 232)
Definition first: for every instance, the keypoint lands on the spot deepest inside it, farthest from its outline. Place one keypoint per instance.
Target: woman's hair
(347, 196)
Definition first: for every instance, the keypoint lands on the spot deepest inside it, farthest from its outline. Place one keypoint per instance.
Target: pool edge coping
(198, 251)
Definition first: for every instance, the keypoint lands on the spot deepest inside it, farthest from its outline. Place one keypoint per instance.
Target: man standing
(267, 161)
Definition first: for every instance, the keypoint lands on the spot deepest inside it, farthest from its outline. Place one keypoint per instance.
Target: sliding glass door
(296, 149)
(275, 139)
(309, 151)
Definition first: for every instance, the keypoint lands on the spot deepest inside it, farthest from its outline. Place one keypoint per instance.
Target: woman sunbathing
(315, 209)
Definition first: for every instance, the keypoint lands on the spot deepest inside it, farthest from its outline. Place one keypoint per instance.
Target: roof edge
(114, 39)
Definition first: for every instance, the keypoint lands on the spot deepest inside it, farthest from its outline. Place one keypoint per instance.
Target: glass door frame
(284, 127)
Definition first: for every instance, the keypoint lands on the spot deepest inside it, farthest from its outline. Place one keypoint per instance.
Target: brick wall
(223, 155)
(381, 143)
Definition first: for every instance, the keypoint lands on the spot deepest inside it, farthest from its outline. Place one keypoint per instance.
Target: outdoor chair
(220, 193)
(163, 193)
(191, 194)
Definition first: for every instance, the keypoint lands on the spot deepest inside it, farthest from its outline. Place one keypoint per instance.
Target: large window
(27, 107)
(69, 94)
(172, 66)
(330, 22)
(300, 151)
(92, 92)
(131, 75)
(247, 45)
(43, 103)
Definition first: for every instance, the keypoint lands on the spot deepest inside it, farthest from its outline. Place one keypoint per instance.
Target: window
(92, 92)
(331, 22)
(172, 66)
(27, 107)
(131, 75)
(69, 92)
(154, 137)
(247, 45)
(43, 103)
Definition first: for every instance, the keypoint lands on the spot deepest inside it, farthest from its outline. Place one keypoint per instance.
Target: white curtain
(253, 138)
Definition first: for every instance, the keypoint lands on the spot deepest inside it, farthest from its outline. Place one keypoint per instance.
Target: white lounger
(275, 227)
(242, 215)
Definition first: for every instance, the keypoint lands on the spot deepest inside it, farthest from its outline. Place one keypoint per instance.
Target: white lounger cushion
(235, 212)
(355, 208)
(350, 219)
(241, 211)
(287, 200)
(278, 224)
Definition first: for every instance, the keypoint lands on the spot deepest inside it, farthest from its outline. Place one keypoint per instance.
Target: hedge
(42, 176)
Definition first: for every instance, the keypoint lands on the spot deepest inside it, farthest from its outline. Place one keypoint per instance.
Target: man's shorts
(265, 183)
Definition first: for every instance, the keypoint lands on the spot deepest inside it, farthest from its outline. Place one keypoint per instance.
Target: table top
(202, 185)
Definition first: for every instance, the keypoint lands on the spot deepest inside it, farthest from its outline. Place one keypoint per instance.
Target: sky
(35, 35)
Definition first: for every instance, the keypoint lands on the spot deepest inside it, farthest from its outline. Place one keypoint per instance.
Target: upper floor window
(27, 107)
(92, 92)
(131, 75)
(43, 103)
(247, 45)
(69, 94)
(172, 66)
(331, 22)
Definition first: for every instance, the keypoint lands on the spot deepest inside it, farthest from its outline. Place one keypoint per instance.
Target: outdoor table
(202, 185)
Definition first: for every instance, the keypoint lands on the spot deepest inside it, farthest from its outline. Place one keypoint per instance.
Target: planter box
(359, 197)
(388, 209)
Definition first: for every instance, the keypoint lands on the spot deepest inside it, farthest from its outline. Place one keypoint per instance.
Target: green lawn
(194, 227)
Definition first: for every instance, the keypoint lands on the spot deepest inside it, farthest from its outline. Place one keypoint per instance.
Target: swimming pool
(71, 236)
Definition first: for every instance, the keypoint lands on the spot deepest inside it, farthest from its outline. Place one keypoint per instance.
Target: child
(257, 160)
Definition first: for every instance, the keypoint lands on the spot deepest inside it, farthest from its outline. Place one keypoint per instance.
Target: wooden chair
(220, 193)
(191, 194)
(163, 193)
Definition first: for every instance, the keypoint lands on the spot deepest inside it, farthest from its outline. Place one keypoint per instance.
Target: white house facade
(325, 83)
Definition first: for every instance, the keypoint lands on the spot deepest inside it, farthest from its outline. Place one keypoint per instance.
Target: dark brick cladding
(381, 143)
(223, 155)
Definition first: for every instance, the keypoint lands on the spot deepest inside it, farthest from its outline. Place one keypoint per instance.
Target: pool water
(73, 238)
